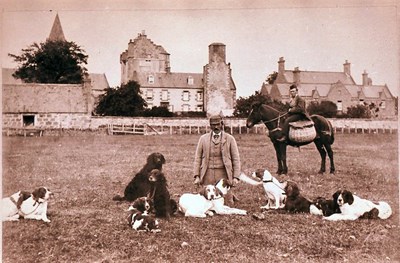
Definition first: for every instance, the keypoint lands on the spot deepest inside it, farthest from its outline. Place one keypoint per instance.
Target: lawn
(86, 170)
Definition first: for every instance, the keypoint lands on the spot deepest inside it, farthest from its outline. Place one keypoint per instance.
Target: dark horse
(273, 120)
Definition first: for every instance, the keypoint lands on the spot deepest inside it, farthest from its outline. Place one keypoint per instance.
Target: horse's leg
(283, 147)
(322, 153)
(278, 157)
(330, 154)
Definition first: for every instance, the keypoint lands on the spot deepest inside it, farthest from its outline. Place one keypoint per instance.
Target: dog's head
(143, 204)
(210, 192)
(342, 197)
(262, 174)
(156, 176)
(41, 194)
(223, 186)
(157, 159)
(291, 189)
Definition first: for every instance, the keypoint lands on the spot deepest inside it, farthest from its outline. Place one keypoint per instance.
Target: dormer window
(190, 80)
(150, 79)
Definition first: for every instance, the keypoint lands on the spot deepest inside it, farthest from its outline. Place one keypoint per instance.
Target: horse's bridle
(274, 119)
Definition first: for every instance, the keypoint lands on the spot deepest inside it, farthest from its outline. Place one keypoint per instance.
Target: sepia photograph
(200, 131)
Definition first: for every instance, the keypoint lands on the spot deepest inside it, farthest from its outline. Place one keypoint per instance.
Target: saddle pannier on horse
(302, 131)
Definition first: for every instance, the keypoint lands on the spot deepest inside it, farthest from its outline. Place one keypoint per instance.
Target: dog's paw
(259, 216)
(210, 213)
(46, 220)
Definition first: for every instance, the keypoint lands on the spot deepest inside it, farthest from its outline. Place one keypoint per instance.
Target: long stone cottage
(50, 105)
(338, 87)
(212, 91)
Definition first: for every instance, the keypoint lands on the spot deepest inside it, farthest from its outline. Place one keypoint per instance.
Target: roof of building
(56, 33)
(98, 81)
(169, 80)
(319, 77)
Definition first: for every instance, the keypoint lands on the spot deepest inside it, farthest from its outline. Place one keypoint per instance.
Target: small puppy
(295, 202)
(324, 207)
(353, 207)
(274, 190)
(142, 221)
(32, 207)
(142, 204)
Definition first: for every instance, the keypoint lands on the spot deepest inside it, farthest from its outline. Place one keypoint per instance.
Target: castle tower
(219, 88)
(143, 55)
(56, 33)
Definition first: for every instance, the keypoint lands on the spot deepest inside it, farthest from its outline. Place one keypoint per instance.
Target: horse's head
(254, 115)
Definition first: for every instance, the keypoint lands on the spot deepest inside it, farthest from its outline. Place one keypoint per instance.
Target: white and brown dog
(210, 199)
(142, 221)
(353, 207)
(274, 190)
(28, 206)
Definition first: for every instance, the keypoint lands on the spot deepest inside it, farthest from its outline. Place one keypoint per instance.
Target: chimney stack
(346, 68)
(281, 66)
(365, 80)
(296, 75)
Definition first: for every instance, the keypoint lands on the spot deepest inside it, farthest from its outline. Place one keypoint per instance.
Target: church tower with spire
(56, 33)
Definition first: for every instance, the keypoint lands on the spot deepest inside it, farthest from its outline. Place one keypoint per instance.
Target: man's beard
(216, 131)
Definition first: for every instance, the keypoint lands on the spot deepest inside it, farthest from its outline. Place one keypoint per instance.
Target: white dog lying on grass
(209, 200)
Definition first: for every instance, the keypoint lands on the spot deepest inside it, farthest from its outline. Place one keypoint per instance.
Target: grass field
(85, 171)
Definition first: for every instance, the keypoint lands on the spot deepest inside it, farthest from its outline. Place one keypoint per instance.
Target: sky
(313, 36)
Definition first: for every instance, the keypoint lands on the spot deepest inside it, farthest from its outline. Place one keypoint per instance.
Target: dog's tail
(119, 198)
(385, 211)
(248, 180)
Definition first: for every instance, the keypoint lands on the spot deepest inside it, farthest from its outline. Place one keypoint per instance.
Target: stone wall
(44, 98)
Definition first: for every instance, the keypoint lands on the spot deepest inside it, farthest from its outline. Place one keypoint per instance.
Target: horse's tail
(323, 127)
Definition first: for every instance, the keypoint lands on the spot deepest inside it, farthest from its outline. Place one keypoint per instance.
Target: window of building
(164, 95)
(149, 105)
(199, 96)
(190, 80)
(186, 95)
(28, 120)
(167, 105)
(150, 79)
(339, 105)
(185, 107)
(361, 102)
(149, 94)
(199, 107)
(382, 105)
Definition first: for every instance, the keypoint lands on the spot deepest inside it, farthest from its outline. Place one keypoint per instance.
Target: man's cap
(215, 119)
(293, 86)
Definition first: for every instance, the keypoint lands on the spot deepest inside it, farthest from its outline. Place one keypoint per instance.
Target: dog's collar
(13, 200)
(267, 181)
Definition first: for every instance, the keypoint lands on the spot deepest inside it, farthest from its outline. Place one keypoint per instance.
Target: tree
(358, 111)
(243, 104)
(272, 77)
(122, 101)
(51, 62)
(327, 109)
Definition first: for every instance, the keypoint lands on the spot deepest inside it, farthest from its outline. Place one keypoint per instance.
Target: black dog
(139, 186)
(295, 202)
(163, 204)
(326, 206)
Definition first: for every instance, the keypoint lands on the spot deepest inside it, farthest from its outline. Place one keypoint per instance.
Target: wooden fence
(240, 128)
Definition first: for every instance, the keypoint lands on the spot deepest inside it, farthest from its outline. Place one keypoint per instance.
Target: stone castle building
(212, 91)
(338, 87)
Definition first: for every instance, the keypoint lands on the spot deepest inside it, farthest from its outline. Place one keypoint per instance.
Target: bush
(358, 111)
(157, 112)
(327, 109)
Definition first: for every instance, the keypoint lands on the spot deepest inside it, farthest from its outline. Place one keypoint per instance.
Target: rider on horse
(297, 111)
